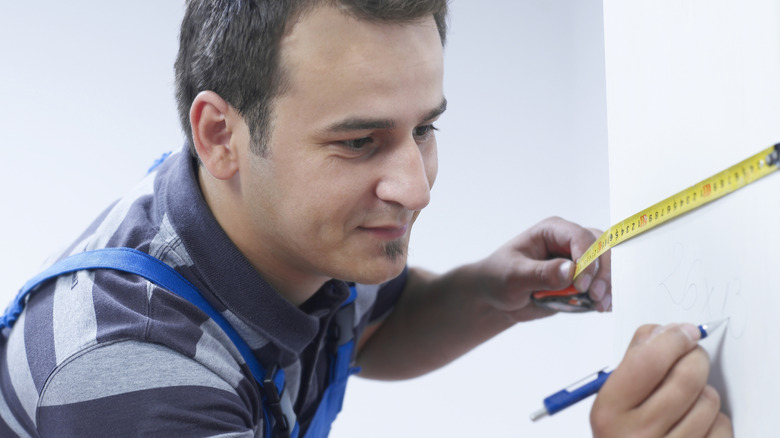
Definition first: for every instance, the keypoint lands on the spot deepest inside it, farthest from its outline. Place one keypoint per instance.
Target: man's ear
(211, 121)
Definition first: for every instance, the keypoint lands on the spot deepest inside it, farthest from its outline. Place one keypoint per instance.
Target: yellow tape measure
(701, 193)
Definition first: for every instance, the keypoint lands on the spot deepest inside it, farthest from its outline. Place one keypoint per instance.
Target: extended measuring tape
(703, 192)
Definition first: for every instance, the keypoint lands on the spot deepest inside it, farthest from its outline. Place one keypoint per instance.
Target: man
(311, 132)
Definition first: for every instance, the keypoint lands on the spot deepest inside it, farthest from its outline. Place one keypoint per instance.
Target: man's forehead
(326, 32)
(341, 72)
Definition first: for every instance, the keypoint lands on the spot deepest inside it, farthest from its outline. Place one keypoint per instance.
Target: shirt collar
(223, 271)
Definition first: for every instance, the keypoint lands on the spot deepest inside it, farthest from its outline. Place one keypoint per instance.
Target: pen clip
(581, 389)
(584, 381)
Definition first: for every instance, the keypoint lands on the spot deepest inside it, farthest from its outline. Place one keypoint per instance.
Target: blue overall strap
(277, 407)
(344, 344)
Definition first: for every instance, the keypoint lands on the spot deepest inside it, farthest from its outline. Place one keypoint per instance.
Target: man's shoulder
(97, 336)
(127, 386)
(81, 310)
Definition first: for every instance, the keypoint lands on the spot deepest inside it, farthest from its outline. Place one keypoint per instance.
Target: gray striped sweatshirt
(106, 354)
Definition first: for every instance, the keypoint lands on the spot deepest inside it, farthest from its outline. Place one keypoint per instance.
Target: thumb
(553, 274)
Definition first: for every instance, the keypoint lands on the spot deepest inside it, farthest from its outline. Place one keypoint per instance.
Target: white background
(694, 88)
(86, 104)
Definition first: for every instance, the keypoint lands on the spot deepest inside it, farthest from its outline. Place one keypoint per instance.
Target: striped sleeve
(133, 388)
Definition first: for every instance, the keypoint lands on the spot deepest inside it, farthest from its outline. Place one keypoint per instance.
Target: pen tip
(538, 415)
(710, 327)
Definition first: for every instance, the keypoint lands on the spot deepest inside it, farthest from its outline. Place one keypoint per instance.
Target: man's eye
(422, 133)
(358, 143)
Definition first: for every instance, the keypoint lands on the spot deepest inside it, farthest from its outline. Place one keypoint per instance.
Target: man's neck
(231, 216)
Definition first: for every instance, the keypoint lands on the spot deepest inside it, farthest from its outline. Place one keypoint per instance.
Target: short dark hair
(231, 47)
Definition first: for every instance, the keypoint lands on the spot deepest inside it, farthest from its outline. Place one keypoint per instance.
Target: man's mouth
(387, 232)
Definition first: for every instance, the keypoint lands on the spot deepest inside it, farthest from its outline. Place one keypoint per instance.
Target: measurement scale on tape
(701, 193)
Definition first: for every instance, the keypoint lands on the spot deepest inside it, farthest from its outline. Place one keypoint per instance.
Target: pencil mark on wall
(678, 249)
(692, 292)
(689, 288)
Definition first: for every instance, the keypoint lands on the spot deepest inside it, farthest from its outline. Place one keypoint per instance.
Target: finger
(643, 333)
(603, 413)
(600, 290)
(701, 418)
(605, 305)
(554, 274)
(679, 393)
(556, 237)
(722, 427)
(584, 279)
(647, 362)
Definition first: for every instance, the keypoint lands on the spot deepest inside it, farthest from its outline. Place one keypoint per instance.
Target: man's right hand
(660, 389)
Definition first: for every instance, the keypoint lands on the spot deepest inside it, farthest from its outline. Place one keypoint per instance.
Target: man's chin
(377, 272)
(378, 278)
(383, 264)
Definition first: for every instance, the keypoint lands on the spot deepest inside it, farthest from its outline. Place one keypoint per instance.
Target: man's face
(352, 156)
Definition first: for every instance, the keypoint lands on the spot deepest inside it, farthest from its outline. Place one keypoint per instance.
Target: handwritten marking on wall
(689, 287)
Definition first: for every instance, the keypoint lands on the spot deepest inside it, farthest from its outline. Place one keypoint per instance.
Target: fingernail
(656, 331)
(598, 289)
(606, 303)
(582, 283)
(691, 331)
(566, 268)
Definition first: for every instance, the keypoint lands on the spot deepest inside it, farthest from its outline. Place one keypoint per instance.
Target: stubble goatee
(395, 249)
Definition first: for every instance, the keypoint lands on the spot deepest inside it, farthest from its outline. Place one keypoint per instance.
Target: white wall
(87, 104)
(693, 89)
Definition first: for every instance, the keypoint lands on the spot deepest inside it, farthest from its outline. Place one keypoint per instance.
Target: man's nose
(406, 179)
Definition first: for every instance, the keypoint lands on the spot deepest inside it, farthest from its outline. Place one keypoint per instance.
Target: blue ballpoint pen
(565, 398)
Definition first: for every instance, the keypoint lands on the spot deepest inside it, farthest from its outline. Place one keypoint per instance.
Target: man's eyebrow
(360, 124)
(438, 110)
